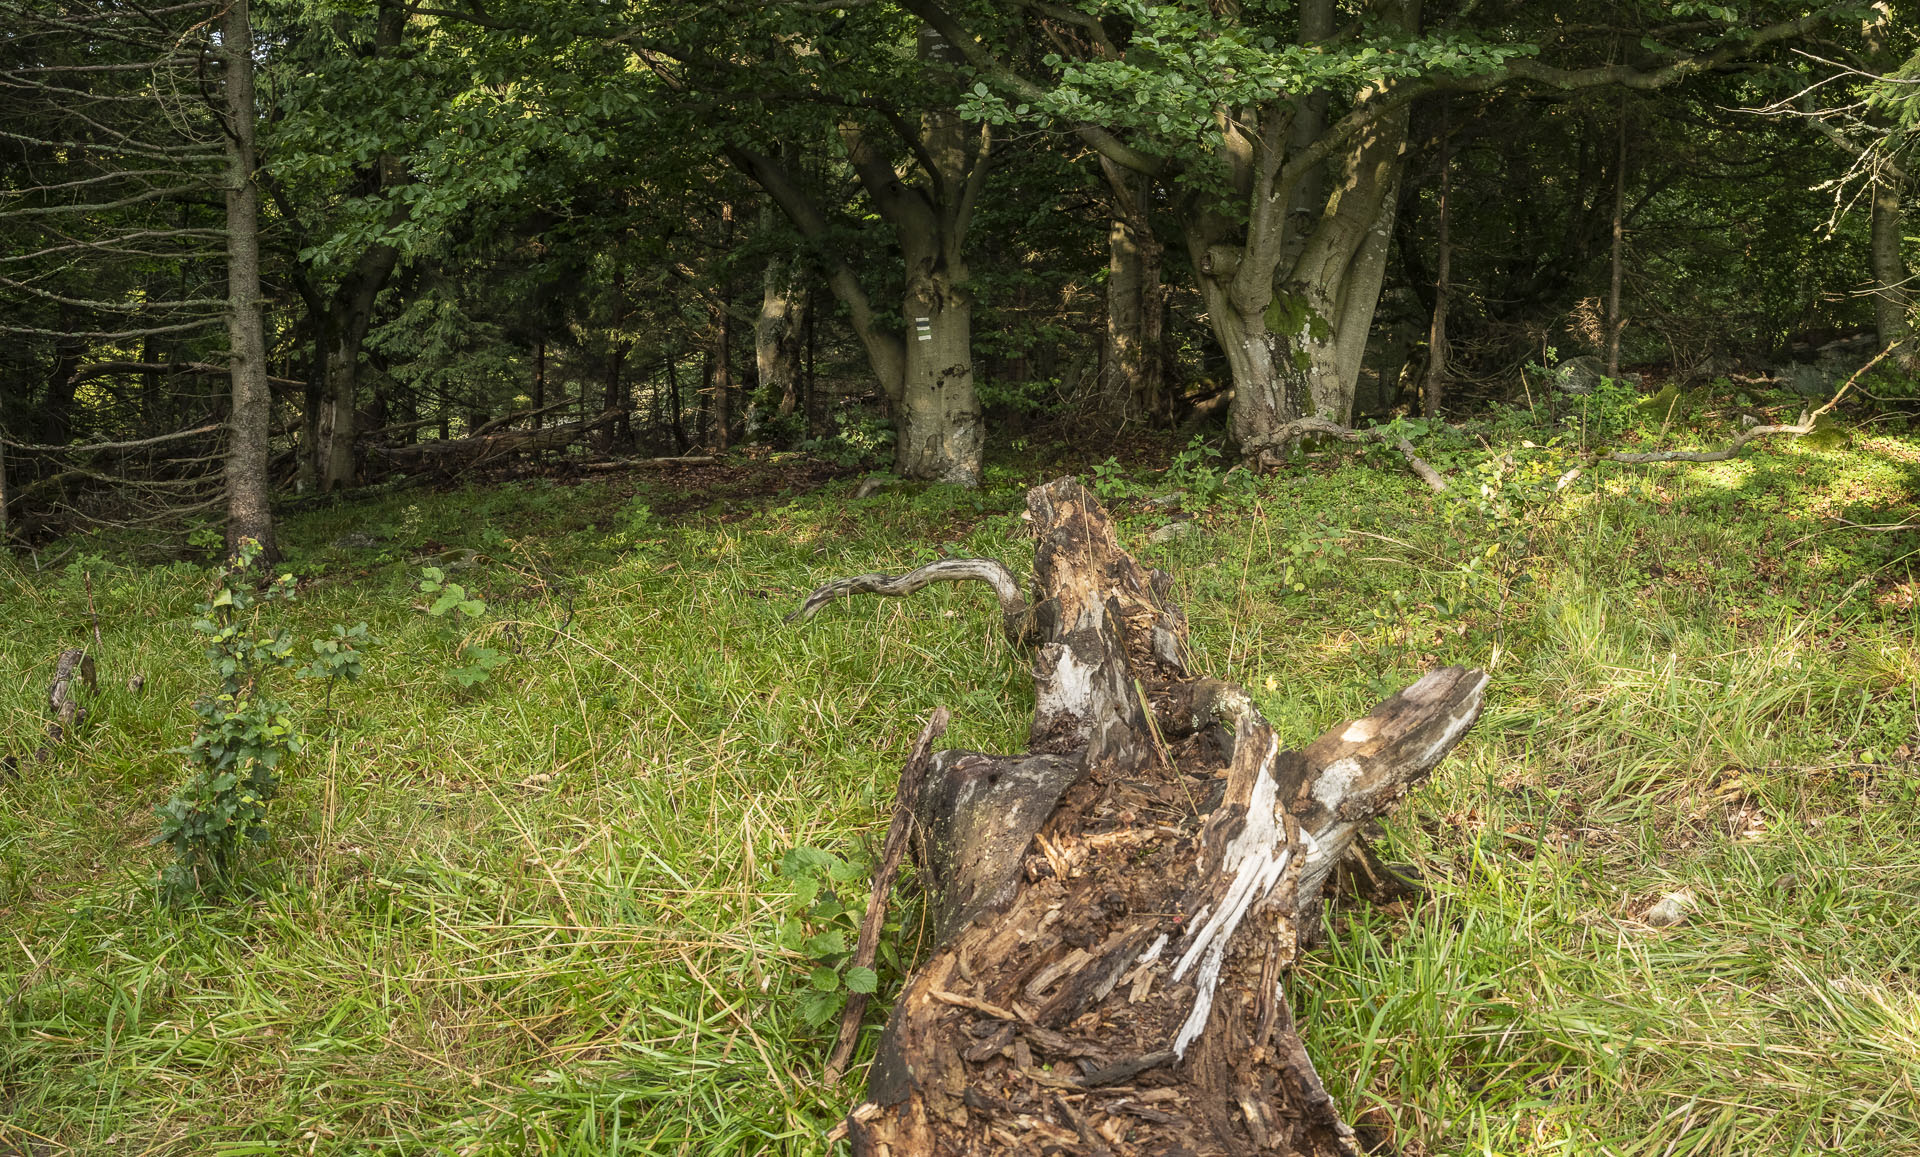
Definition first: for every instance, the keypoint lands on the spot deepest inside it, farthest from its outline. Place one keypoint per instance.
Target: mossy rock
(1827, 434)
(1668, 402)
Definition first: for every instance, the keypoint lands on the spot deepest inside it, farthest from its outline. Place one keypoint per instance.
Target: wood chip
(1045, 978)
(977, 1005)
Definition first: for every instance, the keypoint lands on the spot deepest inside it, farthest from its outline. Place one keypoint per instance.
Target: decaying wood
(891, 853)
(465, 453)
(1115, 908)
(73, 671)
(629, 463)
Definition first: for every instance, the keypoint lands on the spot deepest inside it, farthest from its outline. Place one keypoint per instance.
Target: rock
(870, 484)
(1671, 910)
(1807, 380)
(354, 541)
(1172, 532)
(1579, 375)
(1168, 501)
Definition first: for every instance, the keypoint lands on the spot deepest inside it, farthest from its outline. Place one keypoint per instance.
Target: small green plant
(1110, 480)
(820, 923)
(1196, 470)
(457, 606)
(860, 441)
(244, 732)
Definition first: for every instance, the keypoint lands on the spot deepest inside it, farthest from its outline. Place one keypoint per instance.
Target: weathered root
(1274, 446)
(1013, 606)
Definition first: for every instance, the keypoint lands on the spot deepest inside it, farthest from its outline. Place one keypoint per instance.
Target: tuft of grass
(538, 915)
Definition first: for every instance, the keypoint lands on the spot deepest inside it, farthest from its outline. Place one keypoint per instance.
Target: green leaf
(864, 980)
(817, 1008)
(825, 979)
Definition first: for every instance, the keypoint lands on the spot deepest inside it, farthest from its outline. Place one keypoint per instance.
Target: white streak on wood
(1336, 782)
(1153, 951)
(1256, 856)
(1359, 731)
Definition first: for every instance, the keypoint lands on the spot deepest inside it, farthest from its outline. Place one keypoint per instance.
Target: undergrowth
(546, 912)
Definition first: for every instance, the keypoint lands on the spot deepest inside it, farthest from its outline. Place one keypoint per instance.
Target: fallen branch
(73, 671)
(469, 452)
(1273, 447)
(1808, 420)
(106, 447)
(1013, 605)
(624, 463)
(891, 853)
(486, 428)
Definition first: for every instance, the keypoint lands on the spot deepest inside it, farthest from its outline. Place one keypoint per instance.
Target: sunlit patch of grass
(537, 915)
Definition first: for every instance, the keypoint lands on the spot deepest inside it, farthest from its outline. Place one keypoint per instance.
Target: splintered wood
(1116, 908)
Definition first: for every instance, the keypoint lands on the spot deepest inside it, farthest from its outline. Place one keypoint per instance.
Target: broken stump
(1116, 906)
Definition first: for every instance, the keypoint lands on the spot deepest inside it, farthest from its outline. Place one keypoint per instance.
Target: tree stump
(1115, 908)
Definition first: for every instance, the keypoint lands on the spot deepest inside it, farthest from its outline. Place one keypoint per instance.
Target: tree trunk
(929, 377)
(1291, 310)
(539, 379)
(1130, 388)
(941, 435)
(677, 423)
(1617, 259)
(1432, 390)
(722, 375)
(1892, 302)
(1123, 899)
(778, 335)
(340, 388)
(249, 514)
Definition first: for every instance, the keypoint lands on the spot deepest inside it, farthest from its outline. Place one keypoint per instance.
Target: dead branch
(73, 671)
(1732, 449)
(1013, 606)
(1275, 445)
(891, 853)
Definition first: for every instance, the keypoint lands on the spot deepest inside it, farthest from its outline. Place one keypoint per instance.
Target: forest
(495, 497)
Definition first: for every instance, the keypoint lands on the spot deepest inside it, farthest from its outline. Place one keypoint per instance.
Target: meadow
(539, 911)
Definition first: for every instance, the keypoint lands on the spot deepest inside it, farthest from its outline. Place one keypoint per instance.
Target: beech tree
(1284, 128)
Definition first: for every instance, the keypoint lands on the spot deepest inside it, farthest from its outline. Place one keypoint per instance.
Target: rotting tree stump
(1115, 908)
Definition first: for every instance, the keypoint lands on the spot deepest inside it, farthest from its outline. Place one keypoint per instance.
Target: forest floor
(544, 913)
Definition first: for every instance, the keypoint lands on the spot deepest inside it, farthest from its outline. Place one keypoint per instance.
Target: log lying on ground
(71, 673)
(466, 453)
(1115, 908)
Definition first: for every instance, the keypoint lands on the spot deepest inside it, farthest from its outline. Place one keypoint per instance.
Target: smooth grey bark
(886, 352)
(249, 514)
(1618, 256)
(927, 373)
(1291, 289)
(342, 318)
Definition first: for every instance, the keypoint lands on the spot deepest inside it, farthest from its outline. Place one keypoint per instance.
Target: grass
(538, 915)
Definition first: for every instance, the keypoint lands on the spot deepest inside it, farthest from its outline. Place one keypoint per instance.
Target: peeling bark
(1116, 907)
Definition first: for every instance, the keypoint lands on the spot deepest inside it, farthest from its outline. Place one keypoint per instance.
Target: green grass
(441, 952)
